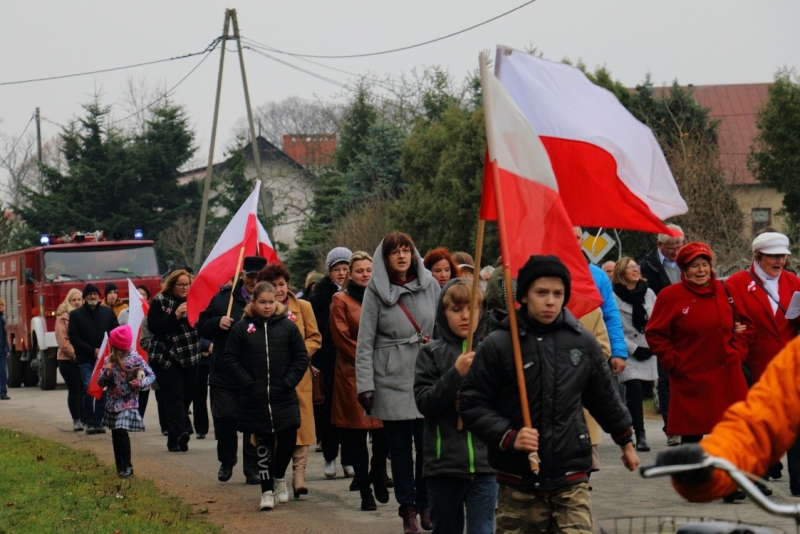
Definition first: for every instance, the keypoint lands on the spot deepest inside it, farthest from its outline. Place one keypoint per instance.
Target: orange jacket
(753, 434)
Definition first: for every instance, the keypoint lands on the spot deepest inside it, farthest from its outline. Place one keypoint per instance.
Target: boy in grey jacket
(456, 466)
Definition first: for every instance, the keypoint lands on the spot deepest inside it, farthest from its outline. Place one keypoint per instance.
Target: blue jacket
(610, 313)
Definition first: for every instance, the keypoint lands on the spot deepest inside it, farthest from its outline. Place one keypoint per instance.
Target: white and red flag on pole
(521, 193)
(244, 231)
(94, 388)
(610, 170)
(137, 311)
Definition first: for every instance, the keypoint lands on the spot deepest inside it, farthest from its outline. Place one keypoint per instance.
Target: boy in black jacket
(564, 371)
(456, 466)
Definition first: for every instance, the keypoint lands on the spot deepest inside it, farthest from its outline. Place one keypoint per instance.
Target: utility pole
(230, 18)
(201, 230)
(39, 147)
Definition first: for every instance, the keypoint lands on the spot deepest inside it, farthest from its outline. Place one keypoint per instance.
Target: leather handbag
(317, 386)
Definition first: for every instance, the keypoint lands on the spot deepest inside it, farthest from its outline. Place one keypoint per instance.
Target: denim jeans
(449, 497)
(92, 410)
(410, 489)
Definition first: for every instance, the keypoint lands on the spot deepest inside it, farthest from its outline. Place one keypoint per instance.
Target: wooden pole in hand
(235, 276)
(533, 457)
(473, 303)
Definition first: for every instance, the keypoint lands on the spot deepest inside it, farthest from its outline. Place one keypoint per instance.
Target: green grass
(49, 487)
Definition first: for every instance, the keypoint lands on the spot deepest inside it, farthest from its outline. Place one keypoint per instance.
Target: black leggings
(274, 453)
(634, 399)
(122, 448)
(354, 444)
(72, 378)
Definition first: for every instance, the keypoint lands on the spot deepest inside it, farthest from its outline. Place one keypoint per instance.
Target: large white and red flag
(521, 193)
(137, 311)
(610, 170)
(243, 232)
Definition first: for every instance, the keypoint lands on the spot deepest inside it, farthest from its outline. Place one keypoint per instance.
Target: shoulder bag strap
(423, 339)
(761, 285)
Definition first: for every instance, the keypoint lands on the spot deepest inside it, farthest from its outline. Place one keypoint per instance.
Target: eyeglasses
(632, 267)
(776, 257)
(183, 285)
(399, 251)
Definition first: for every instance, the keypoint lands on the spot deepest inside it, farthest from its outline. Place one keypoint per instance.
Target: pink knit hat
(121, 337)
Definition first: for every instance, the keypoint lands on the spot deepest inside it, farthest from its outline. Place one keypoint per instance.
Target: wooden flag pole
(473, 303)
(235, 276)
(533, 457)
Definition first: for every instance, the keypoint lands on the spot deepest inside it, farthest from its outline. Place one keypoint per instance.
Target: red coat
(773, 331)
(691, 334)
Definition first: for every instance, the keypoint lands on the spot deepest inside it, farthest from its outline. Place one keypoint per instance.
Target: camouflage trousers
(565, 511)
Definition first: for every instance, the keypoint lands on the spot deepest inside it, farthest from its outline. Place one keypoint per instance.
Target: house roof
(735, 106)
(267, 151)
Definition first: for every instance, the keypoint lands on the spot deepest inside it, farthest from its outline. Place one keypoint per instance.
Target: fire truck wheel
(48, 368)
(16, 369)
(31, 376)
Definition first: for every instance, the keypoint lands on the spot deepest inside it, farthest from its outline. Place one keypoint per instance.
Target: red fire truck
(36, 281)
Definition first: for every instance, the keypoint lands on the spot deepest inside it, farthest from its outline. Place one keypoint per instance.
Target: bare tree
(18, 158)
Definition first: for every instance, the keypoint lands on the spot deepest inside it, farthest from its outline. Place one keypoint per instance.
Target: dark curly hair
(273, 271)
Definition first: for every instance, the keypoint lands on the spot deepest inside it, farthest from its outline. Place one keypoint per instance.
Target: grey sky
(696, 41)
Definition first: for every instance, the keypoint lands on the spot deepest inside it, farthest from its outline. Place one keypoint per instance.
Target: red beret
(690, 251)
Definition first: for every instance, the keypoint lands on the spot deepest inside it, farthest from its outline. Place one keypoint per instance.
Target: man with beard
(214, 324)
(88, 324)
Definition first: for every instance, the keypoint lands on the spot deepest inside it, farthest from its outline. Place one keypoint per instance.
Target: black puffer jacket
(446, 450)
(564, 371)
(208, 327)
(325, 358)
(267, 359)
(86, 329)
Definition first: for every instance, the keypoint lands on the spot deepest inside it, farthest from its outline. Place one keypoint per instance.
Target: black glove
(642, 353)
(686, 454)
(367, 401)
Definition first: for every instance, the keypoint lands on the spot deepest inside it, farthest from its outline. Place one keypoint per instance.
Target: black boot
(379, 484)
(735, 496)
(367, 501)
(641, 442)
(794, 487)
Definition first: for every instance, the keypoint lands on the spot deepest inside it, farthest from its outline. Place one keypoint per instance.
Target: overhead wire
(402, 48)
(209, 48)
(167, 93)
(5, 160)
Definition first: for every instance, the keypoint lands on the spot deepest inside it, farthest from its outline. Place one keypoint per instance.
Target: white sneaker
(267, 500)
(280, 490)
(330, 469)
(348, 471)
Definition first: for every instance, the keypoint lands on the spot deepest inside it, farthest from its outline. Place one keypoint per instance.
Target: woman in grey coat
(397, 318)
(635, 302)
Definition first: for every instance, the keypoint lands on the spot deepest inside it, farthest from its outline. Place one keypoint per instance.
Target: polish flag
(610, 170)
(94, 388)
(520, 192)
(243, 232)
(138, 309)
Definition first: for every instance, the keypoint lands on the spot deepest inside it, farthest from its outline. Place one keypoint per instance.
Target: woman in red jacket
(700, 338)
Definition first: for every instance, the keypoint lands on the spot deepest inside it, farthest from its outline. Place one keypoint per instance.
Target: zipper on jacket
(269, 400)
(438, 442)
(471, 450)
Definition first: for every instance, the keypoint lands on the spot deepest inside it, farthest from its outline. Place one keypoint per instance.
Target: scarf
(634, 297)
(356, 291)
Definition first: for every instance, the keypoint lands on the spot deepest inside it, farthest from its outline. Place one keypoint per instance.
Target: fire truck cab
(35, 281)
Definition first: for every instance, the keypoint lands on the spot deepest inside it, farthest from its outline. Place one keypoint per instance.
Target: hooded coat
(565, 370)
(267, 358)
(446, 449)
(387, 341)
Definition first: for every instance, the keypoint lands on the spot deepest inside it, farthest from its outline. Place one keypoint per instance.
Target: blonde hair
(66, 306)
(172, 279)
(359, 255)
(618, 276)
(459, 294)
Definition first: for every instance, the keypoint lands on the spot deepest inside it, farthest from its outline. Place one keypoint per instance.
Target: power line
(409, 47)
(5, 160)
(209, 48)
(167, 93)
(301, 69)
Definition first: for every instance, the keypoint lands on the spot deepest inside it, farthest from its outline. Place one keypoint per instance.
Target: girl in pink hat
(125, 372)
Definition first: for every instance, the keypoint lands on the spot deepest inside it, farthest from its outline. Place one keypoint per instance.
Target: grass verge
(49, 487)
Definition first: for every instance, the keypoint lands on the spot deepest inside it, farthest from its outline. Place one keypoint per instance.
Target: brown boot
(299, 461)
(409, 515)
(425, 519)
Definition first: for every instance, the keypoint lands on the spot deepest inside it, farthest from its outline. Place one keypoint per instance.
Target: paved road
(330, 507)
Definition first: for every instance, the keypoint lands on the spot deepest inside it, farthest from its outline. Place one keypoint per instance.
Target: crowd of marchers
(372, 363)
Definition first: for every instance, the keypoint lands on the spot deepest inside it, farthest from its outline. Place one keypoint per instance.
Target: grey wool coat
(387, 341)
(635, 369)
